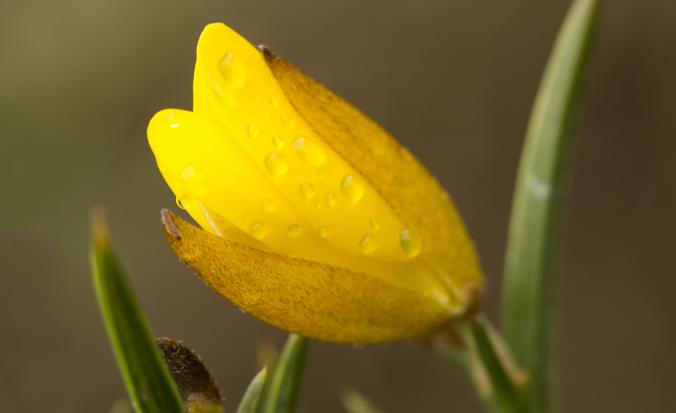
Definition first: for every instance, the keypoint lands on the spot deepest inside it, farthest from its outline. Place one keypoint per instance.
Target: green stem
(480, 352)
(281, 389)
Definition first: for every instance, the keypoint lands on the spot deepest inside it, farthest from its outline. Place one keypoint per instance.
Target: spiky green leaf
(283, 385)
(144, 372)
(529, 280)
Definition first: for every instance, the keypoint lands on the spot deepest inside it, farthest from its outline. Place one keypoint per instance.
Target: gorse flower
(318, 221)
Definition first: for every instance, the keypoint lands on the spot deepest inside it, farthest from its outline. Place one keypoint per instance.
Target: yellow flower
(318, 221)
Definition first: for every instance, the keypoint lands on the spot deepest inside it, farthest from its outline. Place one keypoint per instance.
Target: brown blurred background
(453, 80)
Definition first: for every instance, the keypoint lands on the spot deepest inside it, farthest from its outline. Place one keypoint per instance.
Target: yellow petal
(234, 87)
(305, 297)
(230, 196)
(277, 164)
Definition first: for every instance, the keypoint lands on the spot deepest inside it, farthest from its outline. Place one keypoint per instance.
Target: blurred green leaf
(121, 406)
(283, 385)
(529, 279)
(252, 396)
(195, 384)
(355, 402)
(145, 374)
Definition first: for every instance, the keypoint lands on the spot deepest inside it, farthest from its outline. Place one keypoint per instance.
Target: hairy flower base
(309, 298)
(321, 211)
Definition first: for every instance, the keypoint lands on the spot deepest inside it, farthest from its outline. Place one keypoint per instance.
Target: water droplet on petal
(228, 99)
(210, 220)
(193, 179)
(252, 130)
(330, 199)
(172, 120)
(307, 190)
(351, 189)
(278, 142)
(185, 200)
(232, 69)
(275, 164)
(268, 205)
(294, 231)
(299, 144)
(273, 102)
(258, 230)
(366, 245)
(409, 243)
(323, 232)
(215, 86)
(286, 121)
(309, 152)
(189, 174)
(375, 225)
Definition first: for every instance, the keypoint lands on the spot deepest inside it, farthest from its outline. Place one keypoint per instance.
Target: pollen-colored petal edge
(305, 297)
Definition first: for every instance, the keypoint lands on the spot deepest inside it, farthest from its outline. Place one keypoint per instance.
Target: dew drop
(215, 86)
(294, 231)
(375, 225)
(232, 69)
(172, 120)
(351, 189)
(278, 142)
(286, 121)
(275, 164)
(193, 179)
(268, 205)
(210, 220)
(323, 232)
(252, 130)
(307, 190)
(189, 174)
(273, 102)
(258, 230)
(409, 243)
(366, 245)
(330, 199)
(227, 99)
(308, 152)
(299, 144)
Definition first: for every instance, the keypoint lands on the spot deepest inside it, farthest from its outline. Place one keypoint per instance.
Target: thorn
(169, 225)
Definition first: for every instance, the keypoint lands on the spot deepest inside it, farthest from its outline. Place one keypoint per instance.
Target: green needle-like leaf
(504, 388)
(283, 385)
(355, 402)
(145, 374)
(529, 280)
(252, 396)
